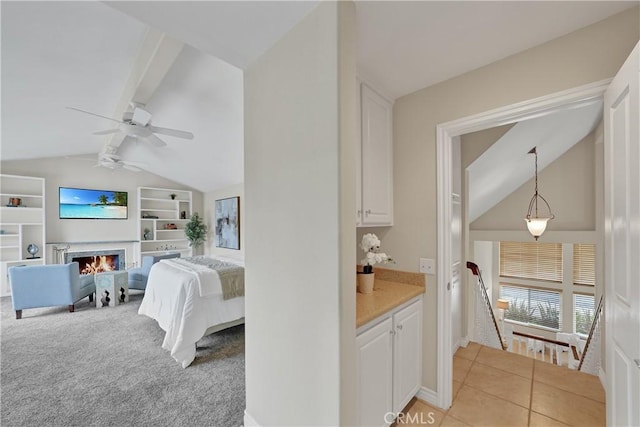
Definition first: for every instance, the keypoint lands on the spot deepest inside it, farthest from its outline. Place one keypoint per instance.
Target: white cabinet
(407, 355)
(162, 215)
(375, 169)
(375, 370)
(22, 219)
(389, 364)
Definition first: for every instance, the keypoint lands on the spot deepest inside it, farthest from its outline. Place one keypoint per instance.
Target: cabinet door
(407, 357)
(377, 159)
(374, 365)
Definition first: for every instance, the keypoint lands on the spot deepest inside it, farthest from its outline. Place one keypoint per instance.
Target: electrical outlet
(427, 265)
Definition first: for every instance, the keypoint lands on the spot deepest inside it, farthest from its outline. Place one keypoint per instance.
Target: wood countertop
(391, 289)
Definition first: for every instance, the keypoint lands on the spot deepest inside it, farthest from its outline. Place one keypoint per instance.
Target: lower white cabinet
(375, 374)
(389, 364)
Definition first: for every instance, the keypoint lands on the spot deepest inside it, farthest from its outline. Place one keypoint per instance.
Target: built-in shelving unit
(22, 222)
(158, 213)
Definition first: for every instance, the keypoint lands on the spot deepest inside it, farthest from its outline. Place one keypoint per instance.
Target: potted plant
(196, 231)
(371, 246)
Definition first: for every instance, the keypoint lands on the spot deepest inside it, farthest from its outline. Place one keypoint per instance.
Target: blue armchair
(48, 286)
(138, 276)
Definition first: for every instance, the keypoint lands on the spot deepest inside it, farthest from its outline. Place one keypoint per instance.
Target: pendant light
(536, 223)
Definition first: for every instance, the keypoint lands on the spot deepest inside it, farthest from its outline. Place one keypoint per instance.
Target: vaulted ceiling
(184, 60)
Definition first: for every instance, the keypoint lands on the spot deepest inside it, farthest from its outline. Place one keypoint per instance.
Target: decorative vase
(365, 282)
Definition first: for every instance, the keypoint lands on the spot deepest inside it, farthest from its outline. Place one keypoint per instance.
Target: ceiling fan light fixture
(137, 131)
(537, 224)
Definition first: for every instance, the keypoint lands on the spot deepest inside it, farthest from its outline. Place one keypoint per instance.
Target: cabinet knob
(359, 212)
(399, 327)
(367, 212)
(392, 332)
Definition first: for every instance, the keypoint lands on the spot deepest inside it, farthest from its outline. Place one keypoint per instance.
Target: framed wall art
(227, 217)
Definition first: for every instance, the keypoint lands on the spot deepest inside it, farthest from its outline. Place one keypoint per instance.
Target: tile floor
(497, 388)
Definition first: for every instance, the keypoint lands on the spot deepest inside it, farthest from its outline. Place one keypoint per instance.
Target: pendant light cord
(536, 163)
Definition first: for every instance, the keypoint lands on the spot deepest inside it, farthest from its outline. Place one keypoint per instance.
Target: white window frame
(566, 288)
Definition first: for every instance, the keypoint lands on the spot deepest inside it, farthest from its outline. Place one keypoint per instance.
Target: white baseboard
(249, 421)
(428, 395)
(464, 341)
(603, 378)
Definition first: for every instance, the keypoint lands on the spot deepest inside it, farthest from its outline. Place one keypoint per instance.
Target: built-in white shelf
(158, 202)
(21, 225)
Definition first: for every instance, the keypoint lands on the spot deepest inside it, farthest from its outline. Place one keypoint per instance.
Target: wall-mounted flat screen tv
(81, 203)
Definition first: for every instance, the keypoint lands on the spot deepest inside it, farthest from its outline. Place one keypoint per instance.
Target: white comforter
(173, 299)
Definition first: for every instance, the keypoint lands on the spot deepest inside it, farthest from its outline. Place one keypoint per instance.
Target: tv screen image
(79, 203)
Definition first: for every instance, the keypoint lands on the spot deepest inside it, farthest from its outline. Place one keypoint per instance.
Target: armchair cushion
(48, 285)
(138, 276)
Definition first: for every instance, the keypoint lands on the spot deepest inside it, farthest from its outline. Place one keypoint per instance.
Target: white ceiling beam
(157, 55)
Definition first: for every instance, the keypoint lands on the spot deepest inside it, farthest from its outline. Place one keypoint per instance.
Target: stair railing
(484, 312)
(590, 357)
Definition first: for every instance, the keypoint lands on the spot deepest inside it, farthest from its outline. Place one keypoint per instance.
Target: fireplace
(92, 262)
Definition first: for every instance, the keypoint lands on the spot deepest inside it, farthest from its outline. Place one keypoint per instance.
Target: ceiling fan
(113, 162)
(137, 124)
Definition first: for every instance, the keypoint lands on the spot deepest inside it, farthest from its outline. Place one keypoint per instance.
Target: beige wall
(78, 173)
(474, 144)
(585, 56)
(568, 184)
(209, 218)
(300, 197)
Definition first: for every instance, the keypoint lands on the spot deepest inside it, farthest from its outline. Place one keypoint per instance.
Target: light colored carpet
(106, 367)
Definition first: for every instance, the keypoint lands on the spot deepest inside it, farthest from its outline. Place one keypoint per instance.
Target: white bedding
(172, 298)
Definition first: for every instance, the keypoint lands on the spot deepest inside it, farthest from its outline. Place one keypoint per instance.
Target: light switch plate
(427, 265)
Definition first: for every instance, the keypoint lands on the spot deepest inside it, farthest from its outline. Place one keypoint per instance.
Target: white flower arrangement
(371, 246)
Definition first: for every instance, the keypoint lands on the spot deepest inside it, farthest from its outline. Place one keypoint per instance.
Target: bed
(188, 299)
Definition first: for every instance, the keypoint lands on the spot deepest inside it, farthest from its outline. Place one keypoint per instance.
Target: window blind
(533, 306)
(584, 308)
(531, 260)
(584, 264)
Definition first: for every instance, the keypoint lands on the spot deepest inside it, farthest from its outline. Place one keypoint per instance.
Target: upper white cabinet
(375, 168)
(22, 224)
(162, 216)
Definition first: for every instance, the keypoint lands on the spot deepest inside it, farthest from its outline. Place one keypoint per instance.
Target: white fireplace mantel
(130, 247)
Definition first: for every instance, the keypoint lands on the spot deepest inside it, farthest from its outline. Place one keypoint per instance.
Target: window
(531, 260)
(533, 306)
(584, 264)
(584, 310)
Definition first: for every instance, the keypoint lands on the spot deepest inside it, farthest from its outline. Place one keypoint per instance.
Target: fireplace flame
(99, 264)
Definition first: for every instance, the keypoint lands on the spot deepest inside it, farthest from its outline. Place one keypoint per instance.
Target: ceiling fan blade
(94, 114)
(171, 132)
(155, 141)
(131, 168)
(84, 159)
(107, 132)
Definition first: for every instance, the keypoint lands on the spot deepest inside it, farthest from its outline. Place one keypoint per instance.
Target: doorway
(446, 135)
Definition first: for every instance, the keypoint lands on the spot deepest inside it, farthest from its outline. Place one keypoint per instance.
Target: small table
(112, 288)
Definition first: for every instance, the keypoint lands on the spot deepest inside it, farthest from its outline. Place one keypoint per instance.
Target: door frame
(525, 110)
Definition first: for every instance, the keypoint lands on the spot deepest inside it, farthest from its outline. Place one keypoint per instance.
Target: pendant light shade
(537, 223)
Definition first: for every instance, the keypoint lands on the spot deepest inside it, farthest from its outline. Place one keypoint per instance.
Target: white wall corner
(603, 378)
(464, 341)
(249, 421)
(428, 395)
